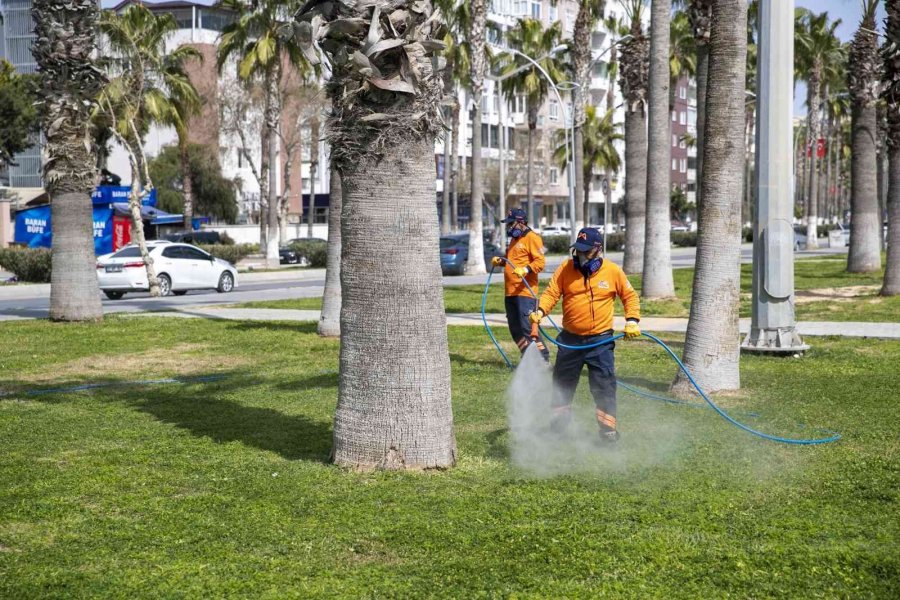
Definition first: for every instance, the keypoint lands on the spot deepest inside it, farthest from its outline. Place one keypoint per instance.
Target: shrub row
(233, 253)
(311, 253)
(27, 264)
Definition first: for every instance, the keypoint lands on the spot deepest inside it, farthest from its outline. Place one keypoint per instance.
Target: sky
(850, 13)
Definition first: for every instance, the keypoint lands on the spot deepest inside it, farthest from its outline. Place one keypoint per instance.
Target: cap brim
(582, 246)
(508, 220)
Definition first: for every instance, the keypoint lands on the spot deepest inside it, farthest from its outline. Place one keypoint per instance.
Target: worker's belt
(571, 335)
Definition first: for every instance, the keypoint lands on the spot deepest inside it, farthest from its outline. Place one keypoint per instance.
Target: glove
(632, 330)
(521, 271)
(497, 261)
(536, 316)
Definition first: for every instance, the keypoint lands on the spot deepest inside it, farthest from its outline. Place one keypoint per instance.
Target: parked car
(555, 230)
(195, 237)
(455, 252)
(288, 256)
(179, 268)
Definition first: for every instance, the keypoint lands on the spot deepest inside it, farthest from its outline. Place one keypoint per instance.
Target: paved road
(33, 301)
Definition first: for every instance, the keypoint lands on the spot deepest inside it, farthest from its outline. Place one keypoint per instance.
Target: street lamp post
(773, 327)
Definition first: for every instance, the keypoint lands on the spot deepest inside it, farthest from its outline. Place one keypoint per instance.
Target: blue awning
(149, 213)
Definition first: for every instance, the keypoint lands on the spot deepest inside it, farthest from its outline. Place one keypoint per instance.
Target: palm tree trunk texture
(812, 216)
(330, 318)
(313, 171)
(394, 407)
(187, 188)
(635, 190)
(658, 281)
(826, 191)
(865, 234)
(69, 171)
(272, 122)
(712, 342)
(477, 60)
(891, 285)
(702, 70)
(581, 65)
(445, 194)
(582, 209)
(264, 190)
(454, 165)
(137, 223)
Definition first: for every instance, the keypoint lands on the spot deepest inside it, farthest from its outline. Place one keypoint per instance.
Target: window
(684, 165)
(674, 140)
(535, 10)
(184, 18)
(519, 104)
(304, 184)
(554, 175)
(172, 252)
(130, 252)
(553, 13)
(554, 110)
(682, 93)
(674, 164)
(683, 118)
(570, 20)
(674, 116)
(682, 144)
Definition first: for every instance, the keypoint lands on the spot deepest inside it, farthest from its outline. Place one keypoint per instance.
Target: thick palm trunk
(187, 188)
(394, 400)
(891, 285)
(454, 166)
(812, 215)
(475, 260)
(581, 65)
(865, 235)
(702, 77)
(63, 51)
(529, 178)
(658, 281)
(635, 190)
(330, 318)
(712, 343)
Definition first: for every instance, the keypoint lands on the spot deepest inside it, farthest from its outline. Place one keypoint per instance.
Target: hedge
(315, 253)
(559, 244)
(27, 264)
(233, 253)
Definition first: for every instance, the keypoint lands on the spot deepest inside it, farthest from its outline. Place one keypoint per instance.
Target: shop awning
(149, 213)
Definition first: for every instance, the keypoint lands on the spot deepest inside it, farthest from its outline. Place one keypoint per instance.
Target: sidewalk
(658, 324)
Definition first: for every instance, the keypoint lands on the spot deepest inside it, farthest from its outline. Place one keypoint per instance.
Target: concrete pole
(773, 327)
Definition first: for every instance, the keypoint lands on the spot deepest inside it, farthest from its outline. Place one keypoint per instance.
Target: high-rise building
(16, 38)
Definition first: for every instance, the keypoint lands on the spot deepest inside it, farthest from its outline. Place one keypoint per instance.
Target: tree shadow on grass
(491, 362)
(198, 408)
(291, 326)
(498, 444)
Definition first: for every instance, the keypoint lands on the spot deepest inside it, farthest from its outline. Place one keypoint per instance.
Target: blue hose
(803, 442)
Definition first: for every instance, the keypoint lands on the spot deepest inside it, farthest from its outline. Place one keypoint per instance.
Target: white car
(179, 268)
(556, 230)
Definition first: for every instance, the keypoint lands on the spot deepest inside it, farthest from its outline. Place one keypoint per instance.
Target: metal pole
(773, 327)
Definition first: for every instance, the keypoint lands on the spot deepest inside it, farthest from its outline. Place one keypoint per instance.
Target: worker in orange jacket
(588, 285)
(524, 260)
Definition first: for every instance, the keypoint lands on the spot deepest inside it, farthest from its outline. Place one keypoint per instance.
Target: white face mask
(582, 256)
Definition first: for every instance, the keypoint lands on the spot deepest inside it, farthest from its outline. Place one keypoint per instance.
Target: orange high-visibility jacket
(588, 302)
(526, 251)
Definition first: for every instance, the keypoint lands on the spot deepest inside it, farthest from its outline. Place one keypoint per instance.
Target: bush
(27, 264)
(684, 239)
(559, 244)
(233, 253)
(614, 242)
(822, 230)
(225, 239)
(747, 234)
(312, 253)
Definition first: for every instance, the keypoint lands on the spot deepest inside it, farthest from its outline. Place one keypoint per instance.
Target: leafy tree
(18, 115)
(213, 194)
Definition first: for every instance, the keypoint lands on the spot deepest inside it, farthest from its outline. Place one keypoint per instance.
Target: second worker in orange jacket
(588, 285)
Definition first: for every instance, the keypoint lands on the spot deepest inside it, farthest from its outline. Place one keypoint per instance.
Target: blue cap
(515, 215)
(588, 238)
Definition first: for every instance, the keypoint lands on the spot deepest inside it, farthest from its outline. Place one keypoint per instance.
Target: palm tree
(145, 86)
(658, 281)
(633, 78)
(891, 95)
(393, 407)
(818, 51)
(477, 64)
(261, 39)
(712, 343)
(530, 38)
(589, 12)
(598, 146)
(330, 318)
(700, 14)
(185, 105)
(69, 82)
(862, 81)
(682, 52)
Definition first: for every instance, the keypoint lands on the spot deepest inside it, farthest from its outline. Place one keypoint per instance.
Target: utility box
(835, 238)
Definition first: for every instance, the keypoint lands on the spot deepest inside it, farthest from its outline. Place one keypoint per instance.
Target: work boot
(609, 437)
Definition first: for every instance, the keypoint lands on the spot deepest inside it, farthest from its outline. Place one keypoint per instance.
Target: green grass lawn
(224, 489)
(810, 274)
